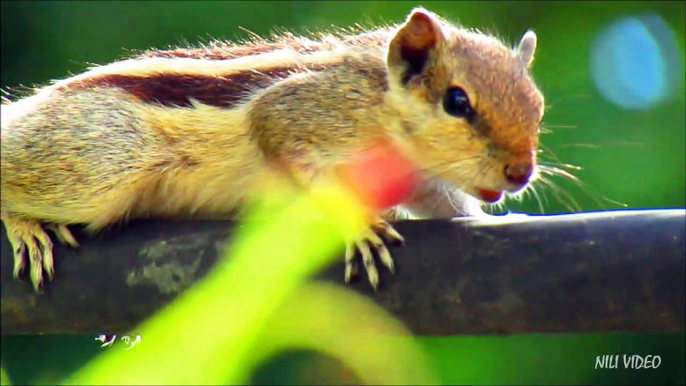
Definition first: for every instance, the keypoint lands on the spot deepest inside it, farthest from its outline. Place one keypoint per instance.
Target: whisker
(555, 171)
(546, 150)
(545, 182)
(557, 168)
(570, 203)
(552, 171)
(531, 187)
(560, 126)
(562, 165)
(583, 145)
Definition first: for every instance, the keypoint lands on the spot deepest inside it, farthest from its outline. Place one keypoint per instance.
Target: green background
(629, 158)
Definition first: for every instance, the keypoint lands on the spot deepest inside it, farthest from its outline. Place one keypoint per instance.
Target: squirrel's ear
(409, 51)
(526, 48)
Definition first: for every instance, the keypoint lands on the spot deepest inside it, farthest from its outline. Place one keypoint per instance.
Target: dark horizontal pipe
(589, 272)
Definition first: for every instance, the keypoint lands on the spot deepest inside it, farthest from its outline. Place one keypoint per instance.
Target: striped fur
(221, 74)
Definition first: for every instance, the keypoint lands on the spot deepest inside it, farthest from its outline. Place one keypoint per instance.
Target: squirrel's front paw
(362, 244)
(30, 241)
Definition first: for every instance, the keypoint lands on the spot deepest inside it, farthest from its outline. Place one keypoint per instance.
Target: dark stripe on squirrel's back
(177, 90)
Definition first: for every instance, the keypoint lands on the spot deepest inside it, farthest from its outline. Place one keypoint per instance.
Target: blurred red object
(381, 175)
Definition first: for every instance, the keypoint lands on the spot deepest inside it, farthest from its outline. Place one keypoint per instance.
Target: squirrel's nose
(519, 173)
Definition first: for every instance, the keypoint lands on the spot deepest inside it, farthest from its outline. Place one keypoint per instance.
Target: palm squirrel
(195, 132)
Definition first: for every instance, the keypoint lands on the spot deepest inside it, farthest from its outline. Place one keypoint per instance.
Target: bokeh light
(635, 62)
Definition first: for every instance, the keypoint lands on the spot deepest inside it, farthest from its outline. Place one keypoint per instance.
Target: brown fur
(196, 132)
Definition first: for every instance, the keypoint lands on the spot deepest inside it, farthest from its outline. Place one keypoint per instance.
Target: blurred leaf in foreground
(217, 330)
(4, 379)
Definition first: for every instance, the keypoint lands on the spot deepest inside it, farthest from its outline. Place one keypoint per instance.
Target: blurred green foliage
(632, 157)
(253, 304)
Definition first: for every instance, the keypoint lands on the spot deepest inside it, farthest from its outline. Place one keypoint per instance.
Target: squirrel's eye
(456, 103)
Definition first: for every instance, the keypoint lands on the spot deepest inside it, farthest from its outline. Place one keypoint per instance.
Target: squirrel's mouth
(488, 195)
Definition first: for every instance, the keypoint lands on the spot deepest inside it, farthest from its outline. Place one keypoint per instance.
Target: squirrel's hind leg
(31, 242)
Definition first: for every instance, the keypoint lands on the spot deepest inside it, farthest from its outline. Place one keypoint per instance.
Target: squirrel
(195, 132)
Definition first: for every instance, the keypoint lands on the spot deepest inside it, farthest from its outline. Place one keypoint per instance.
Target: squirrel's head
(468, 102)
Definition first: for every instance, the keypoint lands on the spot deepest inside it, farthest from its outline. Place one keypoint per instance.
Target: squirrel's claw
(30, 242)
(386, 230)
(363, 244)
(64, 235)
